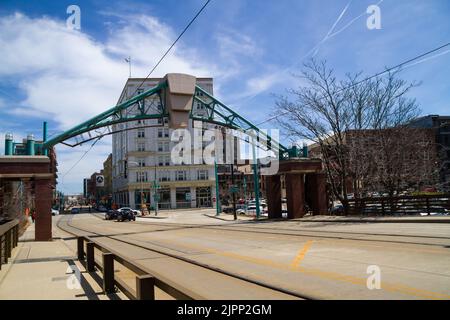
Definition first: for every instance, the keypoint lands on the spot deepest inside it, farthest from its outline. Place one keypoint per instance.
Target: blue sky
(251, 49)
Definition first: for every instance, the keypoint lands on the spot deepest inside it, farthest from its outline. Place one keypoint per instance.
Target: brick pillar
(295, 195)
(43, 203)
(273, 192)
(318, 193)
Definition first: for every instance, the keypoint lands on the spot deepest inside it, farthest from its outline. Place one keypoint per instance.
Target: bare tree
(348, 121)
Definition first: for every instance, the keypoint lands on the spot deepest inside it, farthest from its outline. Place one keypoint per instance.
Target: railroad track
(339, 235)
(78, 231)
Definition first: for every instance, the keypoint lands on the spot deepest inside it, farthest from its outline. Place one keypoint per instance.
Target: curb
(148, 217)
(380, 221)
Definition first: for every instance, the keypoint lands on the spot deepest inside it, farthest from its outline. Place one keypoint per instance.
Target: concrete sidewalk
(48, 271)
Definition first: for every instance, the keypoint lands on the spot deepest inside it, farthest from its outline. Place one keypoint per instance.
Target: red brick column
(295, 194)
(273, 192)
(318, 193)
(43, 203)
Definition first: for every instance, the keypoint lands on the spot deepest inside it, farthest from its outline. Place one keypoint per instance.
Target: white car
(136, 212)
(55, 212)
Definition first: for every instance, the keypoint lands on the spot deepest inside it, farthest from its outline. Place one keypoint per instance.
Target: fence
(145, 282)
(9, 238)
(403, 205)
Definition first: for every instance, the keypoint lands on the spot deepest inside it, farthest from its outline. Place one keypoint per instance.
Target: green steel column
(30, 145)
(44, 136)
(218, 205)
(9, 144)
(256, 178)
(305, 150)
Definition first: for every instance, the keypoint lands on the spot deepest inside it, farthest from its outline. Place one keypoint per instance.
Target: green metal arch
(217, 113)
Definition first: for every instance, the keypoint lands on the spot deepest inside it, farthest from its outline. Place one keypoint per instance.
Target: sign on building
(100, 181)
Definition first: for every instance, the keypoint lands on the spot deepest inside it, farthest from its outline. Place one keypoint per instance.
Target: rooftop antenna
(129, 64)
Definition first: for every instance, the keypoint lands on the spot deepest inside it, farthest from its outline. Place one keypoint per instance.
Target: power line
(398, 66)
(81, 158)
(173, 44)
(153, 69)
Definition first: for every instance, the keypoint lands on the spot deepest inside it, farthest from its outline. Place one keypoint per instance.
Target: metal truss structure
(151, 105)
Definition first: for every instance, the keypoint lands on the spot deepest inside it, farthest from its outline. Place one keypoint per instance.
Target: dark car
(126, 214)
(111, 214)
(337, 210)
(227, 210)
(75, 210)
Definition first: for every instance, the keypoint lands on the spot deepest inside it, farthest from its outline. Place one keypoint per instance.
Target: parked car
(102, 208)
(111, 214)
(75, 210)
(126, 214)
(54, 212)
(337, 209)
(227, 210)
(135, 212)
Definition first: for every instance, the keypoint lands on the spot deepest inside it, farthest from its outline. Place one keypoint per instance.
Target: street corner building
(142, 168)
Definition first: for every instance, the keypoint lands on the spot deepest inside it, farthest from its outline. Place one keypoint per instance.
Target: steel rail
(243, 229)
(202, 265)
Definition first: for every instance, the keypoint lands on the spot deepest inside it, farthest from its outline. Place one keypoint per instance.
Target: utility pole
(156, 195)
(256, 178)
(232, 189)
(218, 205)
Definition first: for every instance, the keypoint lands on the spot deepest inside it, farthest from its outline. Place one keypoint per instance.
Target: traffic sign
(100, 181)
(233, 189)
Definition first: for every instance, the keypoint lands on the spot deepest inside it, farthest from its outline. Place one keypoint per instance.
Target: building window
(141, 146)
(163, 133)
(180, 175)
(164, 176)
(141, 133)
(163, 146)
(141, 162)
(202, 175)
(160, 121)
(141, 177)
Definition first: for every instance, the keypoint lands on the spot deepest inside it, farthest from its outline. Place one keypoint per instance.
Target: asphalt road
(318, 260)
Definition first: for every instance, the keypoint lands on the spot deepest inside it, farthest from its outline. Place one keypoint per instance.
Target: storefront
(204, 197)
(183, 197)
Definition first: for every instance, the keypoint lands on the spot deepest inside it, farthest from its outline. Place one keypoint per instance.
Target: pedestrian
(33, 215)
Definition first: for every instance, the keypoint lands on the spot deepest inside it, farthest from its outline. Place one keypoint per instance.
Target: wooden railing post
(8, 245)
(80, 248)
(1, 251)
(90, 259)
(108, 272)
(145, 287)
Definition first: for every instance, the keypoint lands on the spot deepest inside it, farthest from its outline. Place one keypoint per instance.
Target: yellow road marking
(391, 287)
(301, 254)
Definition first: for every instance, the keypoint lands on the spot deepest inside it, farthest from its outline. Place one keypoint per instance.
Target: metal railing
(145, 282)
(9, 238)
(403, 205)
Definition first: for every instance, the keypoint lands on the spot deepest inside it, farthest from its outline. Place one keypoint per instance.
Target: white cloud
(232, 43)
(68, 76)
